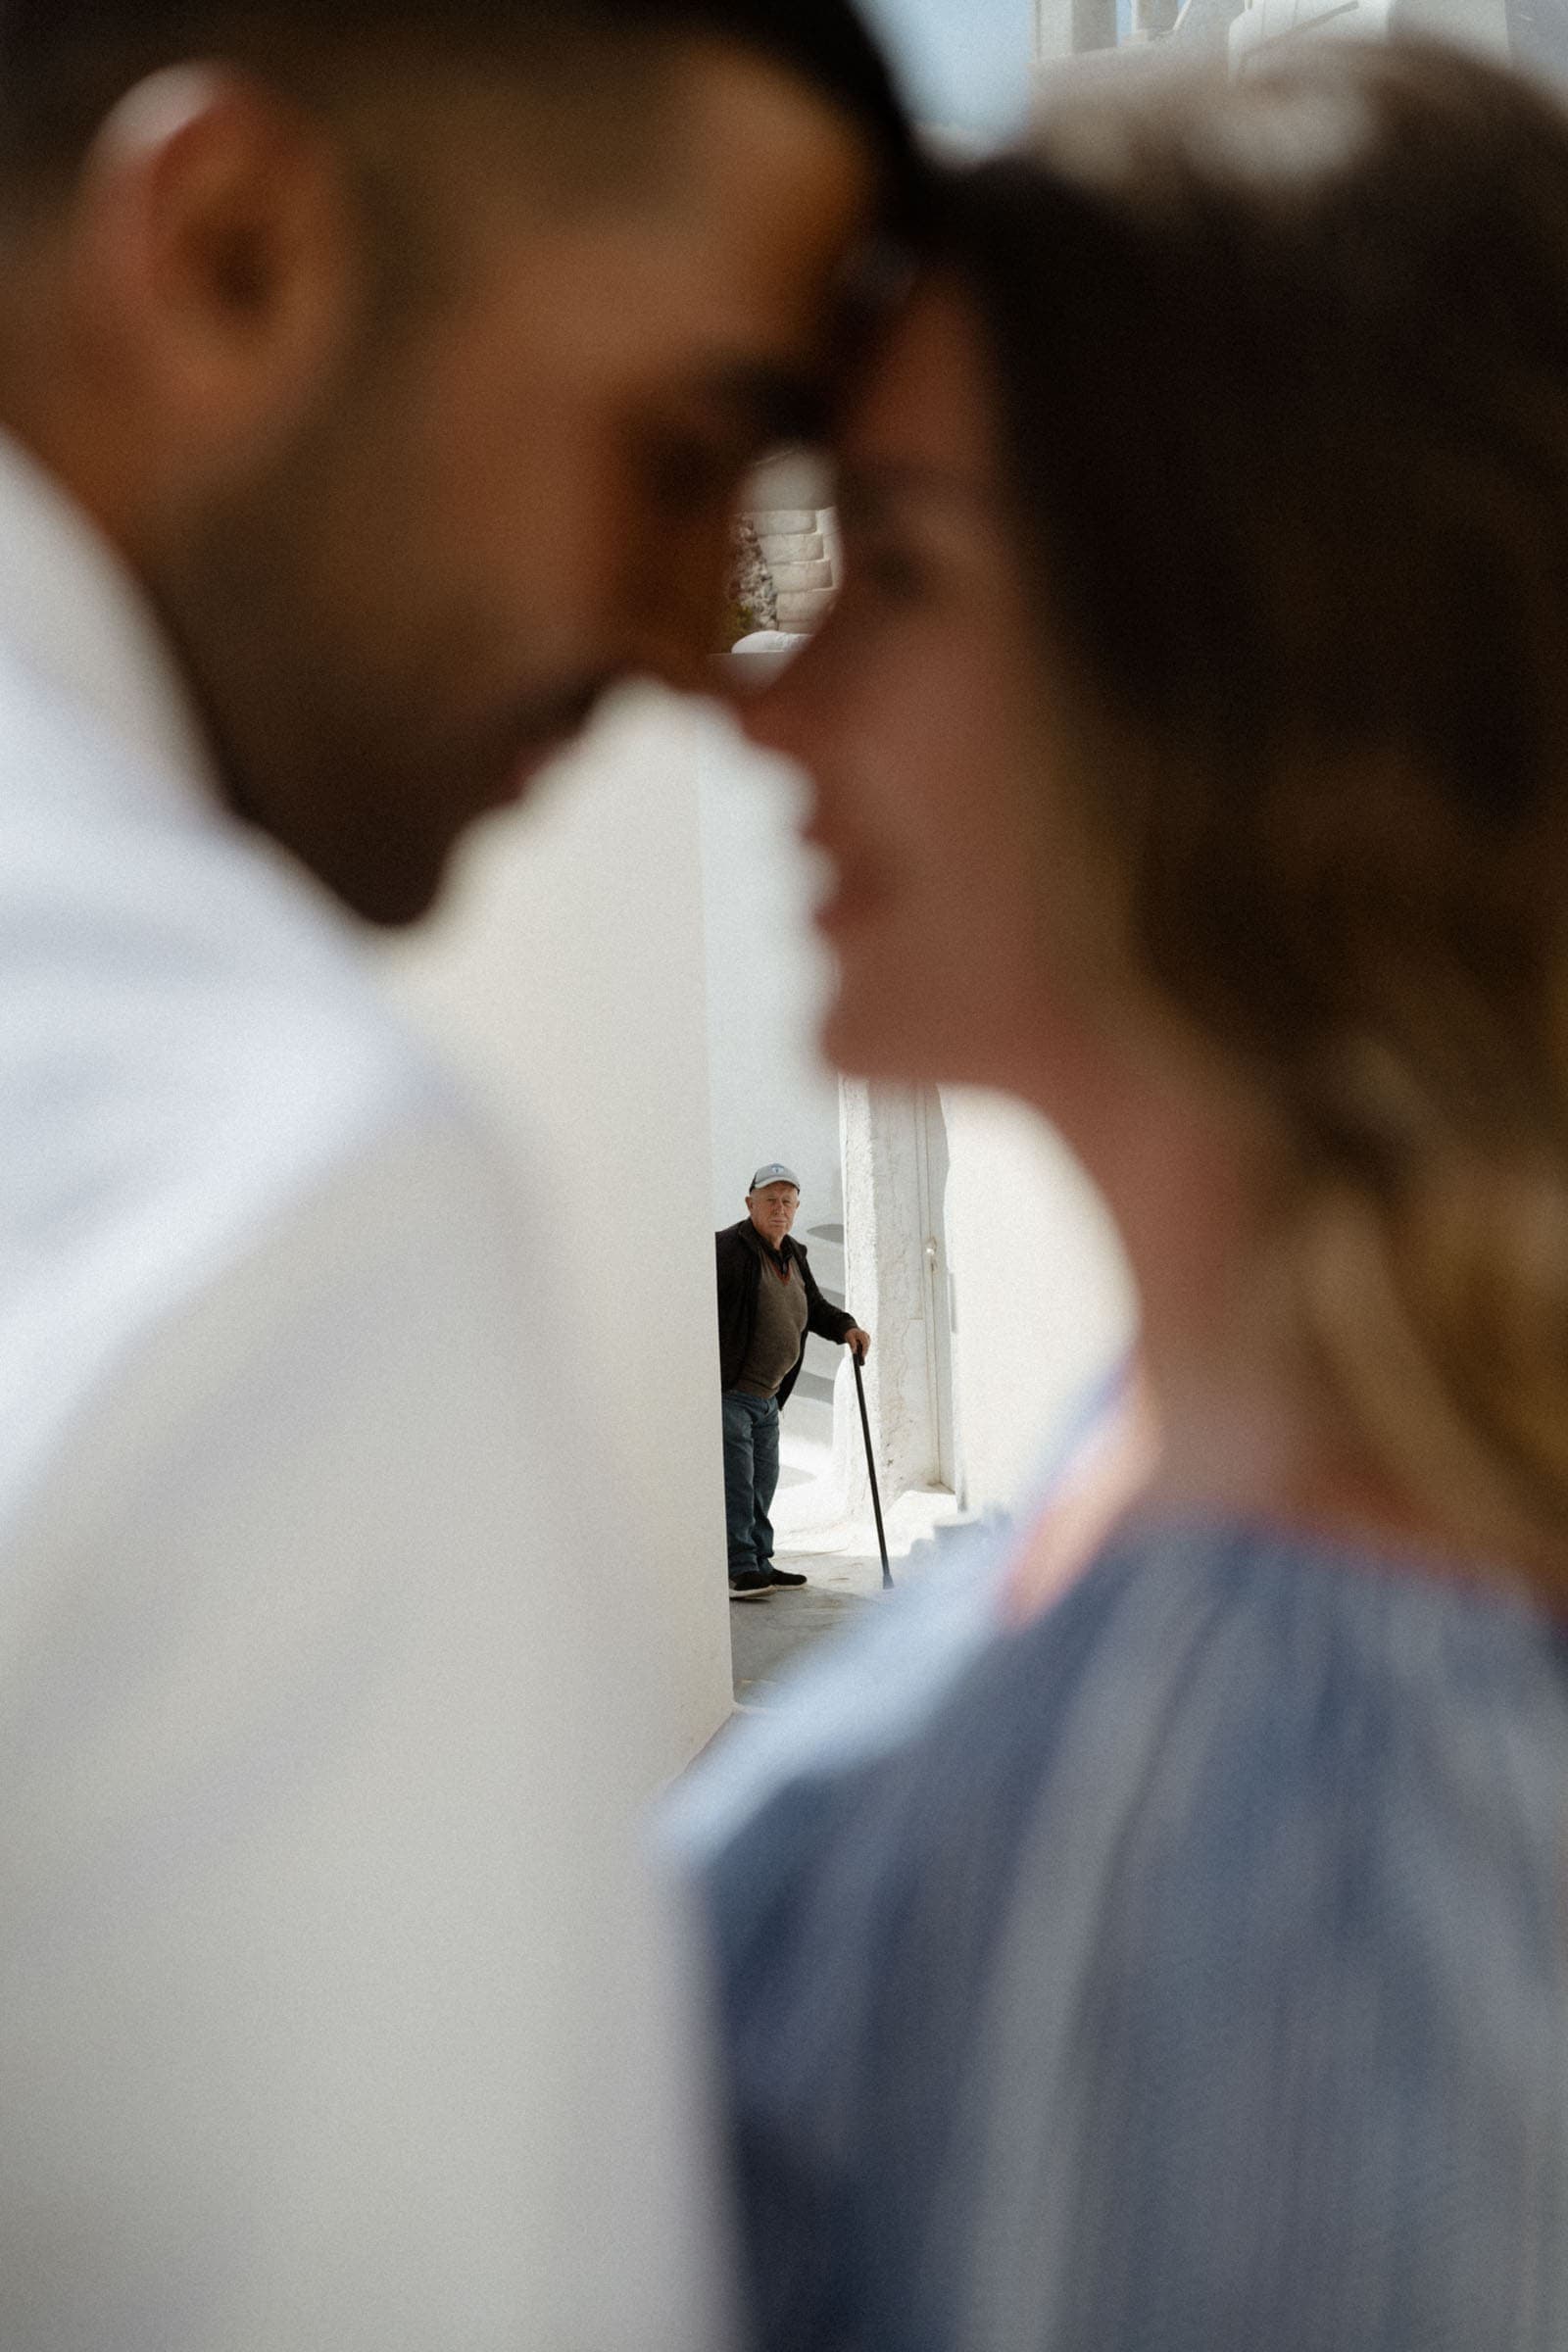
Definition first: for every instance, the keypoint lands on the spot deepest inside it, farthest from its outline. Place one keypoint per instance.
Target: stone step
(791, 579)
(784, 521)
(794, 547)
(801, 609)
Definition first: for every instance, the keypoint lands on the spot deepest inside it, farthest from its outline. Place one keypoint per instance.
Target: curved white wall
(566, 978)
(773, 1095)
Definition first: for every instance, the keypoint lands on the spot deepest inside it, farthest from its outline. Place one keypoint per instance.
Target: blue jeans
(751, 1478)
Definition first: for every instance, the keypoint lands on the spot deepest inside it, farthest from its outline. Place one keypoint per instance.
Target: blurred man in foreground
(374, 382)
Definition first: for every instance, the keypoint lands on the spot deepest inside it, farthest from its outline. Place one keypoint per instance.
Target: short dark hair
(64, 64)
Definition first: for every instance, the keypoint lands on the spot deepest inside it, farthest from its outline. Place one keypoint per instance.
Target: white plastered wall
(1033, 1278)
(565, 978)
(1043, 1301)
(774, 1097)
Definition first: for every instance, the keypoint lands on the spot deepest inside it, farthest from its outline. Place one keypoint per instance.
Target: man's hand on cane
(859, 1341)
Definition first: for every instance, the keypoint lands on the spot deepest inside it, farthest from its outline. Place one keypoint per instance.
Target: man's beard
(335, 716)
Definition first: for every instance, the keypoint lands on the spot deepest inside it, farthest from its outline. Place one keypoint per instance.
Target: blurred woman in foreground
(1191, 748)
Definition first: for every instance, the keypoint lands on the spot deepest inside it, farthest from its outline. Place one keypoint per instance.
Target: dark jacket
(741, 1252)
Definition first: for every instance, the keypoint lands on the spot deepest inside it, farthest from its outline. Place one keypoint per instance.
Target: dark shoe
(784, 1576)
(750, 1586)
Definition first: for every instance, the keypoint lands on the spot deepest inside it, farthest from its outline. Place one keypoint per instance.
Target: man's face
(772, 1210)
(402, 612)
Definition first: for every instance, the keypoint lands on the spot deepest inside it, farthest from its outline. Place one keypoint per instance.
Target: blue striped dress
(1185, 1973)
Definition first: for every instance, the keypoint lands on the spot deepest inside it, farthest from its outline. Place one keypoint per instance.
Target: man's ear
(212, 263)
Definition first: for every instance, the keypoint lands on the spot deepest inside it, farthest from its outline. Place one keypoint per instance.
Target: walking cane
(876, 1500)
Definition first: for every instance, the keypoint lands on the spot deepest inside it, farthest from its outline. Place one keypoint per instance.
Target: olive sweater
(741, 1252)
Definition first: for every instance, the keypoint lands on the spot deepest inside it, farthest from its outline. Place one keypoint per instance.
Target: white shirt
(334, 2016)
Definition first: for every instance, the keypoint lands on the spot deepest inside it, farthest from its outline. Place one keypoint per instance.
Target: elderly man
(376, 377)
(767, 1302)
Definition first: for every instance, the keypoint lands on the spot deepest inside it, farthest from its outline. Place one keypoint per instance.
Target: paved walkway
(767, 1636)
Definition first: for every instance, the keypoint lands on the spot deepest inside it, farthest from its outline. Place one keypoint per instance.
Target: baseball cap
(774, 1173)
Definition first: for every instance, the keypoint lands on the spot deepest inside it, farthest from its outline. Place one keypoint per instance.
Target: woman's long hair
(1283, 366)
